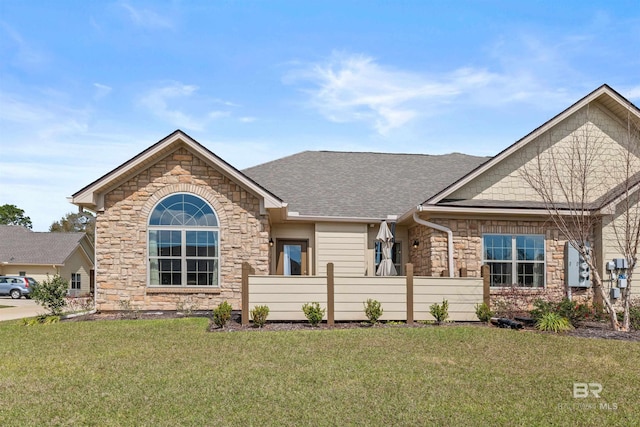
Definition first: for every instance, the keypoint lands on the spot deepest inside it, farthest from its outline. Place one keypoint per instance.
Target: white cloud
(23, 54)
(171, 103)
(147, 18)
(101, 90)
(348, 88)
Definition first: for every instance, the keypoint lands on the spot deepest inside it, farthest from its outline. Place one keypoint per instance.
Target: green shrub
(42, 319)
(440, 312)
(313, 313)
(222, 314)
(553, 322)
(51, 294)
(541, 307)
(259, 315)
(373, 310)
(570, 310)
(483, 312)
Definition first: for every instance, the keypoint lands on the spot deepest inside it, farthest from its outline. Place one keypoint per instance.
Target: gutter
(439, 227)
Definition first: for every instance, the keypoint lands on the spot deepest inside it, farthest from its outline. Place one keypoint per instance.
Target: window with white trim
(515, 259)
(76, 281)
(183, 242)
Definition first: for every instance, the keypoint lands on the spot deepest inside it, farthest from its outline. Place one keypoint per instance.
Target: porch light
(416, 244)
(271, 242)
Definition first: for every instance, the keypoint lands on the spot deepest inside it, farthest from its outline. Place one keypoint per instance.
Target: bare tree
(587, 178)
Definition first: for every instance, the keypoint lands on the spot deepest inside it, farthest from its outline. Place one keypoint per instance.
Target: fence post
(246, 270)
(409, 270)
(486, 285)
(330, 294)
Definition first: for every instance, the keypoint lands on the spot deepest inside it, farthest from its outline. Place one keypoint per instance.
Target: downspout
(439, 227)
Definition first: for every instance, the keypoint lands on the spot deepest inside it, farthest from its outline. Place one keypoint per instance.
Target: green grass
(173, 372)
(6, 306)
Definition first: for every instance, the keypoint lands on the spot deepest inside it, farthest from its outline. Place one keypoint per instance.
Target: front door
(292, 257)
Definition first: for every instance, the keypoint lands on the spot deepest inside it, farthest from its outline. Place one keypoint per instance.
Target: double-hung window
(515, 259)
(76, 281)
(183, 243)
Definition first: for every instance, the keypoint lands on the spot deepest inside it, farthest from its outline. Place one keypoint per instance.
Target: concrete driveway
(19, 308)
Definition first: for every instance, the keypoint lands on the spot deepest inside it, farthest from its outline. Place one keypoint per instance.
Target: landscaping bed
(585, 330)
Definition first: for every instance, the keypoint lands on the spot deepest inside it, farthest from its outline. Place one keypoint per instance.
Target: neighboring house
(176, 221)
(36, 254)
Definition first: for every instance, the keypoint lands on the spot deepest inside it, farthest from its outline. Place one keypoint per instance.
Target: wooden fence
(404, 298)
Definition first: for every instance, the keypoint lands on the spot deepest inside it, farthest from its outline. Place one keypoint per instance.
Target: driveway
(19, 308)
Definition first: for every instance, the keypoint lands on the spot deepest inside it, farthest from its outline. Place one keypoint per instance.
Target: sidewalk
(20, 308)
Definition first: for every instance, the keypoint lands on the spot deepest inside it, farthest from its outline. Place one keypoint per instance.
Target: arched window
(184, 240)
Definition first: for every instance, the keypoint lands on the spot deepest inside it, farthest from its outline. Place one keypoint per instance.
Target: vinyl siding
(345, 245)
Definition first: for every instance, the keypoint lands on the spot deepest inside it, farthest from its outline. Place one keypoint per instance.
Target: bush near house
(570, 310)
(313, 313)
(222, 314)
(259, 315)
(51, 293)
(440, 312)
(373, 310)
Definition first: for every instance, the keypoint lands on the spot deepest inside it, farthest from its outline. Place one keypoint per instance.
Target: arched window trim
(177, 253)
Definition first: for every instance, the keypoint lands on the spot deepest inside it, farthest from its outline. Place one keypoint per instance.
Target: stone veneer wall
(430, 259)
(121, 252)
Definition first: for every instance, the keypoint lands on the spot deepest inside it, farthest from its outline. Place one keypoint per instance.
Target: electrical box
(615, 293)
(576, 269)
(611, 266)
(622, 281)
(621, 263)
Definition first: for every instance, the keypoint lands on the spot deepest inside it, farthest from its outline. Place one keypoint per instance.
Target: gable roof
(608, 97)
(359, 185)
(90, 196)
(19, 245)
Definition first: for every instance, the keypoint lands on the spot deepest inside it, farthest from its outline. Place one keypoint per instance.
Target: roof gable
(23, 246)
(90, 196)
(604, 97)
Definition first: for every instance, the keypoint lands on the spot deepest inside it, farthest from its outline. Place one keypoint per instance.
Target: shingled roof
(360, 185)
(19, 245)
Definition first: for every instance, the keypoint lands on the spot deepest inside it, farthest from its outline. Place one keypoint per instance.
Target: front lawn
(173, 372)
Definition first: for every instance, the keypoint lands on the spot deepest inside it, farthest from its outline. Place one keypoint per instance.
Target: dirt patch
(587, 330)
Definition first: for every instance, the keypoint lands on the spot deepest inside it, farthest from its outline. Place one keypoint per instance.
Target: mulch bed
(586, 330)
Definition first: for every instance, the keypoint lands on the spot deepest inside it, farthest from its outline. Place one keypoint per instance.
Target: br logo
(583, 390)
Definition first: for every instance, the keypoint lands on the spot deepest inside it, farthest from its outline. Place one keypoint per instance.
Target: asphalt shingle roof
(360, 185)
(19, 245)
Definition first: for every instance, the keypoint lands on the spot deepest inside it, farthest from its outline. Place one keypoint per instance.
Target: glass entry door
(292, 258)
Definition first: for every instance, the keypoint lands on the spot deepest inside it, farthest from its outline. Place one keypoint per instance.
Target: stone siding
(430, 259)
(121, 253)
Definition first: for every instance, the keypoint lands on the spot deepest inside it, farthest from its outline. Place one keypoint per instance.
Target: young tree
(13, 215)
(83, 222)
(586, 179)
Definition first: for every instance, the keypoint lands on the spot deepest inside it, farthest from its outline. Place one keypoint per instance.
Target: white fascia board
(295, 216)
(484, 211)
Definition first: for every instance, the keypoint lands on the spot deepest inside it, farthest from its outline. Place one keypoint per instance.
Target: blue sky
(84, 86)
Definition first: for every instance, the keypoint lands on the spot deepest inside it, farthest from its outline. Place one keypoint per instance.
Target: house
(177, 221)
(36, 254)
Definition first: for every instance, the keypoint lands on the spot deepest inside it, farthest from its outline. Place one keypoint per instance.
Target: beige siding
(462, 295)
(78, 262)
(350, 293)
(611, 241)
(504, 181)
(345, 245)
(285, 295)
